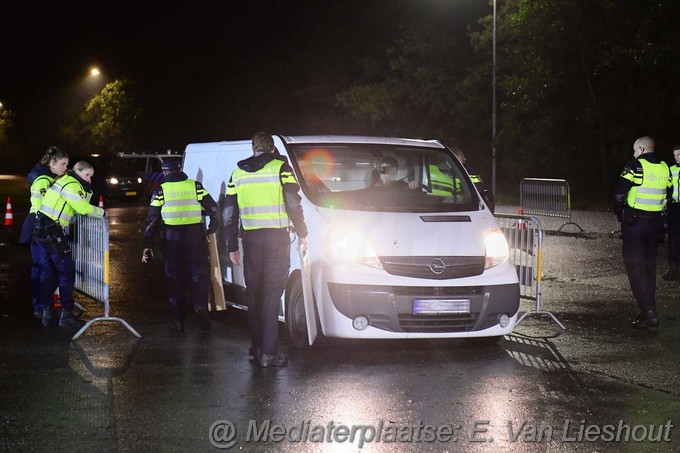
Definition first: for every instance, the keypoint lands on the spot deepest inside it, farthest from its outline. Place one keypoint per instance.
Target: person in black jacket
(639, 198)
(176, 209)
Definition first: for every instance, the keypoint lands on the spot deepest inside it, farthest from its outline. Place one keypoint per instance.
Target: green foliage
(108, 123)
(415, 93)
(111, 117)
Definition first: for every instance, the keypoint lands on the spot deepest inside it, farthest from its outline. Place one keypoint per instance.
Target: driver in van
(387, 178)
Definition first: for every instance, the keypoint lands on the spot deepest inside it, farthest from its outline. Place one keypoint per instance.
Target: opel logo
(437, 266)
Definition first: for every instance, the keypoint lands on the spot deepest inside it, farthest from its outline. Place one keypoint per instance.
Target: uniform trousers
(185, 253)
(51, 267)
(42, 275)
(641, 238)
(266, 263)
(673, 222)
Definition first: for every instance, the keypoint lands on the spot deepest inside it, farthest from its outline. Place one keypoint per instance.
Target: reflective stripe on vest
(54, 203)
(675, 179)
(442, 184)
(260, 196)
(180, 205)
(651, 194)
(38, 191)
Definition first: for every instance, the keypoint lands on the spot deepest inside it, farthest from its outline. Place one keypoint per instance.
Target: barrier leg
(105, 319)
(541, 312)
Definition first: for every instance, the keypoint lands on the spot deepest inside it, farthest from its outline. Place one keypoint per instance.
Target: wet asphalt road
(111, 392)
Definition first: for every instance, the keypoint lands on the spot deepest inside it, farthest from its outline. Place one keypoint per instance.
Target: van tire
(295, 316)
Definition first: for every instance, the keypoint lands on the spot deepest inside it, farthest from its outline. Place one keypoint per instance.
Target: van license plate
(131, 194)
(440, 306)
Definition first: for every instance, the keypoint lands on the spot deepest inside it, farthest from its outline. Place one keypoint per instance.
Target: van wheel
(295, 316)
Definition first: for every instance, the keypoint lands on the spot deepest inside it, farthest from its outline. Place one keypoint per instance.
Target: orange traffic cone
(520, 223)
(101, 201)
(9, 217)
(56, 300)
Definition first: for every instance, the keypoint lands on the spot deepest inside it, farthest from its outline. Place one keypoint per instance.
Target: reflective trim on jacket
(654, 181)
(65, 198)
(179, 202)
(260, 196)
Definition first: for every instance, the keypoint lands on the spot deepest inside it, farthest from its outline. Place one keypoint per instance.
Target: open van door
(294, 319)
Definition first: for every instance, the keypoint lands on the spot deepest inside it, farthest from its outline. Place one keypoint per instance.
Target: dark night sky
(205, 68)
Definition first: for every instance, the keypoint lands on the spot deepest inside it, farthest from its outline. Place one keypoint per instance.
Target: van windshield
(375, 177)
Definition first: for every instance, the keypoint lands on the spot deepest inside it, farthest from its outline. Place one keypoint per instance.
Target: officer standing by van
(264, 194)
(673, 221)
(639, 199)
(175, 209)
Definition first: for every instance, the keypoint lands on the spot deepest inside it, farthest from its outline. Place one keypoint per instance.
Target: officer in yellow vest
(176, 209)
(673, 221)
(53, 164)
(69, 195)
(639, 199)
(264, 194)
(476, 180)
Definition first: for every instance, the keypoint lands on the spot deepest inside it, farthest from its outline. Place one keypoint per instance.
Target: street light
(493, 105)
(94, 72)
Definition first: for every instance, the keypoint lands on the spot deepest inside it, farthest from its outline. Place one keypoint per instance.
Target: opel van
(401, 243)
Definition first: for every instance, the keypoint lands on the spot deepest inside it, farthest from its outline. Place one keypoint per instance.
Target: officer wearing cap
(639, 199)
(176, 209)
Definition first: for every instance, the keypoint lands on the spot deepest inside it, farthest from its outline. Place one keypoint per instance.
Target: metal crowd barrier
(525, 240)
(546, 197)
(90, 249)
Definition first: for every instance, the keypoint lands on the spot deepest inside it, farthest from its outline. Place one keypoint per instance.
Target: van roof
(302, 139)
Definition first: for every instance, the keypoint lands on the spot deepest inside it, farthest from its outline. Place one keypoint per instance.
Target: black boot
(68, 320)
(47, 316)
(205, 319)
(673, 272)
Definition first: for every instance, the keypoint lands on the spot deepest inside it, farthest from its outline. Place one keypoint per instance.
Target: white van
(421, 256)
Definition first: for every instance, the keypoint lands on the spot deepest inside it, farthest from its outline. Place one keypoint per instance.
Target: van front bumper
(399, 308)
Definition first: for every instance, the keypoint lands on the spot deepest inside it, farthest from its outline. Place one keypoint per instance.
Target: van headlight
(496, 248)
(112, 180)
(348, 244)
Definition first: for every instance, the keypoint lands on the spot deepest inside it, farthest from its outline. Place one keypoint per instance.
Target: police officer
(476, 180)
(69, 195)
(175, 209)
(263, 192)
(53, 164)
(673, 221)
(639, 199)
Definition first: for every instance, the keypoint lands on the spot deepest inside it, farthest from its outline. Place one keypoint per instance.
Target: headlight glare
(496, 247)
(348, 244)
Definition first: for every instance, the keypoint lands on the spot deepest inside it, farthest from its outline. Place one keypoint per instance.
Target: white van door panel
(310, 313)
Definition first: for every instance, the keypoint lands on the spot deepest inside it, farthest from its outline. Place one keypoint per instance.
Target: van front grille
(463, 322)
(433, 267)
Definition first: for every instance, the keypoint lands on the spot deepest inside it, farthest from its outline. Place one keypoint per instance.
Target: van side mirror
(489, 199)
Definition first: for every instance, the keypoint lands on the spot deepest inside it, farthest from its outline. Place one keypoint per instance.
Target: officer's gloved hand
(212, 228)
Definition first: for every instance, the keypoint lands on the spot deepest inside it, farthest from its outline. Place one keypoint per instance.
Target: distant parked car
(113, 177)
(148, 167)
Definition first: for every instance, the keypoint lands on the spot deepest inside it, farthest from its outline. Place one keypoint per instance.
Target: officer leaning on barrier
(640, 195)
(69, 195)
(673, 221)
(53, 164)
(175, 209)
